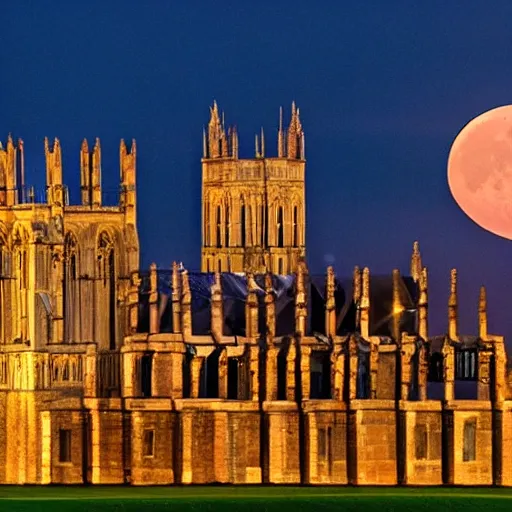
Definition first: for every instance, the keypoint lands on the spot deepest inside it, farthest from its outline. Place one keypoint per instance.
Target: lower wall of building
(219, 441)
(373, 442)
(472, 463)
(325, 436)
(373, 424)
(422, 443)
(282, 442)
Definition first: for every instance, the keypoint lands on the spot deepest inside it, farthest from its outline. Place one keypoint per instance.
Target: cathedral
(252, 371)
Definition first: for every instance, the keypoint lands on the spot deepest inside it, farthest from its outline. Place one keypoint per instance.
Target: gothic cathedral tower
(253, 210)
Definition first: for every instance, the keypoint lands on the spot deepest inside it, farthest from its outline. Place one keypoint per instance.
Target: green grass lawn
(248, 499)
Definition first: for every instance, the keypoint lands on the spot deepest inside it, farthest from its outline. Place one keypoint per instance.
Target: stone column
(223, 374)
(338, 372)
(195, 375)
(448, 370)
(271, 373)
(290, 372)
(305, 369)
(254, 372)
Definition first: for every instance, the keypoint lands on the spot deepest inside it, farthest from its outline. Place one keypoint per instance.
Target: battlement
(222, 143)
(14, 191)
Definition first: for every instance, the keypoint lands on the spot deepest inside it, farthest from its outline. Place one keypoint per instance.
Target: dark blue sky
(383, 87)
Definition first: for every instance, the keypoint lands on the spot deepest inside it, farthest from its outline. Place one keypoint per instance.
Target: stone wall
(373, 424)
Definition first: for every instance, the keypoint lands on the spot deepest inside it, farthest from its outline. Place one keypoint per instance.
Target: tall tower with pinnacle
(253, 210)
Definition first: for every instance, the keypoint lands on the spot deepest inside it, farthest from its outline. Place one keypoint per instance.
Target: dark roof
(234, 291)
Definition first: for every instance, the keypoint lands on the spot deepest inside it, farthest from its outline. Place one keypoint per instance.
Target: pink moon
(480, 170)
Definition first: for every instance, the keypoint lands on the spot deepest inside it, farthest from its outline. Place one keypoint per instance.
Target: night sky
(383, 88)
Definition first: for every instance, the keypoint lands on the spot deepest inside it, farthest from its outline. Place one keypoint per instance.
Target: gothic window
(295, 228)
(207, 223)
(227, 227)
(19, 290)
(219, 266)
(469, 448)
(242, 225)
(267, 234)
(421, 441)
(64, 445)
(107, 271)
(280, 267)
(71, 289)
(249, 221)
(218, 238)
(280, 227)
(262, 226)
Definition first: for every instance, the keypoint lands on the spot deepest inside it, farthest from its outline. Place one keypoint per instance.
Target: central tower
(253, 210)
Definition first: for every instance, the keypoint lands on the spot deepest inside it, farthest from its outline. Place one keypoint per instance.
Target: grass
(260, 499)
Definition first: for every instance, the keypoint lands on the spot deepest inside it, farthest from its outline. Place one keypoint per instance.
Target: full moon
(480, 170)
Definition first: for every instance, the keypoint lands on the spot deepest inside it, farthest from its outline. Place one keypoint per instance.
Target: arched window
(219, 228)
(263, 228)
(280, 227)
(242, 225)
(5, 312)
(107, 270)
(71, 289)
(219, 266)
(249, 221)
(19, 290)
(206, 225)
(295, 228)
(227, 227)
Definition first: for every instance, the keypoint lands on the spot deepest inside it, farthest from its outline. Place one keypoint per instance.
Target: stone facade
(95, 389)
(253, 209)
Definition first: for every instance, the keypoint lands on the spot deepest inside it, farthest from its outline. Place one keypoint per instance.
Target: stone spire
(482, 314)
(365, 304)
(416, 265)
(453, 307)
(423, 305)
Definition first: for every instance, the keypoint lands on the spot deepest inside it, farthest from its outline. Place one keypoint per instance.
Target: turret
(453, 307)
(8, 174)
(295, 136)
(128, 163)
(96, 175)
(398, 307)
(301, 300)
(416, 265)
(365, 304)
(423, 305)
(251, 308)
(330, 303)
(54, 173)
(482, 314)
(217, 316)
(356, 294)
(85, 174)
